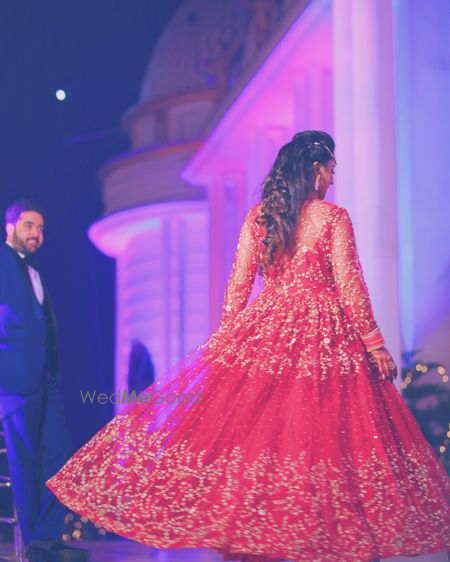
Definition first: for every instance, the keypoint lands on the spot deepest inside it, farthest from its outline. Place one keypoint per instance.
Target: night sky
(97, 51)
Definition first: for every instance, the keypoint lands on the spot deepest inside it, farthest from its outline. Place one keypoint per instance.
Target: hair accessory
(322, 145)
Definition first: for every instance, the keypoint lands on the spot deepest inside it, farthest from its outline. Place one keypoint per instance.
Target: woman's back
(310, 265)
(323, 272)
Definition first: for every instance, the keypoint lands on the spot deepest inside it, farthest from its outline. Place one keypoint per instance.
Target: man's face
(27, 235)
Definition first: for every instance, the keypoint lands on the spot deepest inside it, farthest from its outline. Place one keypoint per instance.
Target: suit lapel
(24, 268)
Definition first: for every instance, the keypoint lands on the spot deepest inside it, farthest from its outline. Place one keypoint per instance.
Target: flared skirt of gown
(275, 439)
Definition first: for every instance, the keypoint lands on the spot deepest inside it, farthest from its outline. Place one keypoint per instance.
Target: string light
(80, 528)
(422, 368)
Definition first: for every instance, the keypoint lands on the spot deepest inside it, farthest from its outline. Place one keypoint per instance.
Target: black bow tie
(29, 260)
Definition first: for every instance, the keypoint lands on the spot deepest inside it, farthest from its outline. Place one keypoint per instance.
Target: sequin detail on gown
(279, 440)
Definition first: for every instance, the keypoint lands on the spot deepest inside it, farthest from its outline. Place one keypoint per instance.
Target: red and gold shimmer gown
(276, 438)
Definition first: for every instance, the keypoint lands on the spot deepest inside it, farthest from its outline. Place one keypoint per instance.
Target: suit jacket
(28, 334)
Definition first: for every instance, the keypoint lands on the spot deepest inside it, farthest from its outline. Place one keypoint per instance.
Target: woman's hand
(383, 361)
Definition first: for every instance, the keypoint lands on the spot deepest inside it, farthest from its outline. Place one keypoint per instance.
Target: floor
(128, 551)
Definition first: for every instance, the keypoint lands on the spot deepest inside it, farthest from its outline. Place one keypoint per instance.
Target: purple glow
(161, 298)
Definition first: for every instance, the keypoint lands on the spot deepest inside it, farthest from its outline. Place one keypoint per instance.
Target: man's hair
(13, 212)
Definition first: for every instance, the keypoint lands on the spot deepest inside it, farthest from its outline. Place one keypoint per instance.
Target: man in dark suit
(31, 406)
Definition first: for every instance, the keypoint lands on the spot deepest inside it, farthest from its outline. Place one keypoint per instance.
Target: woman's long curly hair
(285, 189)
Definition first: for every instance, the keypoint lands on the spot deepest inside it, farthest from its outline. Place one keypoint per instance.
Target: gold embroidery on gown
(296, 449)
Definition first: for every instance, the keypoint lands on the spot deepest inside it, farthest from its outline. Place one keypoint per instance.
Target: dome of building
(208, 45)
(206, 49)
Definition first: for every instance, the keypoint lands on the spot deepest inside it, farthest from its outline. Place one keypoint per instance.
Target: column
(365, 148)
(161, 280)
(216, 251)
(313, 101)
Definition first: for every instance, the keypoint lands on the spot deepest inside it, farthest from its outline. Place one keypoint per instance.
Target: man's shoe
(34, 554)
(62, 552)
(56, 551)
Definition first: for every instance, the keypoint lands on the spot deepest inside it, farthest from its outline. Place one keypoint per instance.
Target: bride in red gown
(281, 436)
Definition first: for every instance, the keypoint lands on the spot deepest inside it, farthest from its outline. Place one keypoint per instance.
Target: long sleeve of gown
(243, 271)
(351, 286)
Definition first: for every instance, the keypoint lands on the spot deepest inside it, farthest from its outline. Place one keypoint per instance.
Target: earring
(316, 185)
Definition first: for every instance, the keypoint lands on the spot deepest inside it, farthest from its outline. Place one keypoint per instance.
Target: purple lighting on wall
(161, 283)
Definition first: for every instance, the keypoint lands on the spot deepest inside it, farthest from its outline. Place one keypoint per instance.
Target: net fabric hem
(208, 514)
